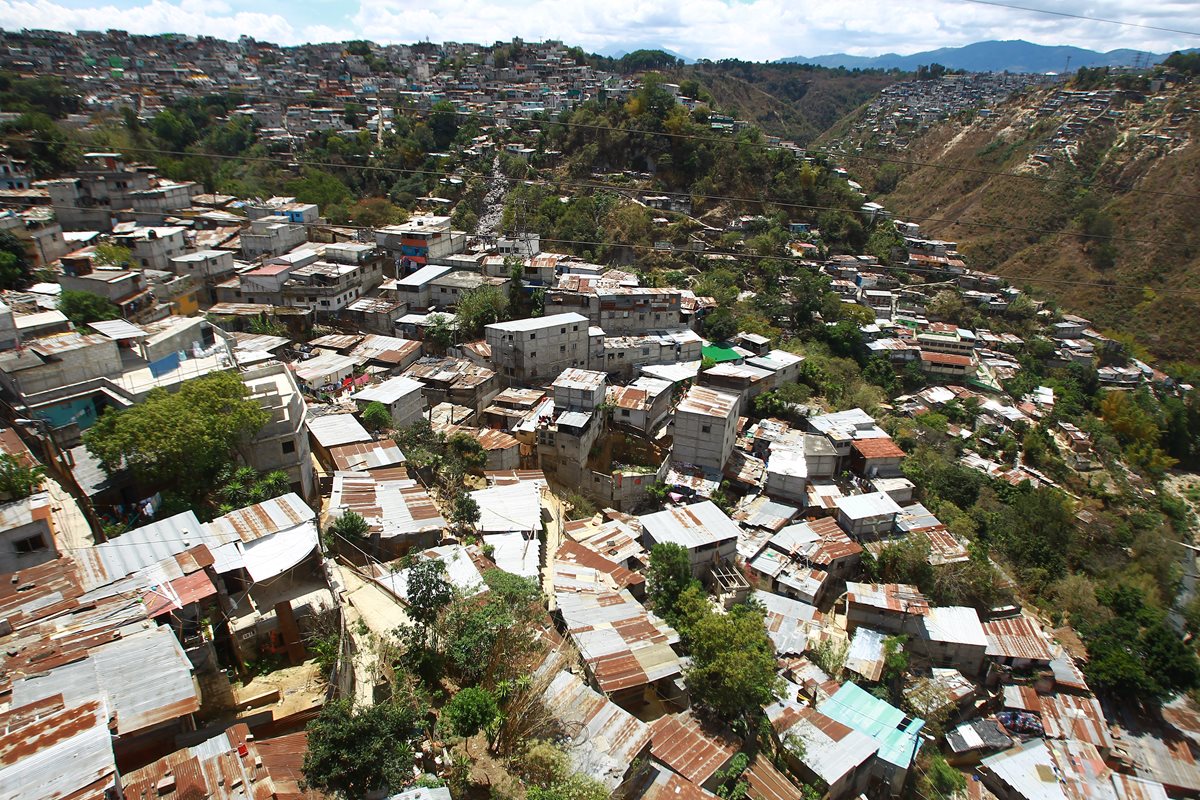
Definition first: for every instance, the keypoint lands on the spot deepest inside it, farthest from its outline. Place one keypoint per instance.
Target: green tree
(350, 526)
(733, 664)
(428, 591)
(18, 479)
(480, 306)
(465, 511)
(669, 574)
(439, 333)
(720, 325)
(470, 711)
(84, 307)
(179, 440)
(15, 267)
(112, 255)
(356, 751)
(376, 417)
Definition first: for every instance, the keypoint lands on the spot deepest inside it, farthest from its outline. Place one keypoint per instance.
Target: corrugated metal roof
(50, 751)
(143, 677)
(820, 542)
(789, 622)
(612, 539)
(897, 734)
(679, 741)
(366, 456)
(763, 512)
(264, 519)
(226, 767)
(390, 391)
(142, 547)
(1017, 637)
(669, 786)
(391, 507)
(332, 430)
(516, 553)
(603, 739)
(461, 572)
(764, 782)
(831, 750)
(691, 526)
(898, 597)
(516, 507)
(622, 644)
(865, 655)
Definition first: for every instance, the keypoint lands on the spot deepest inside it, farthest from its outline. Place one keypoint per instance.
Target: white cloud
(748, 29)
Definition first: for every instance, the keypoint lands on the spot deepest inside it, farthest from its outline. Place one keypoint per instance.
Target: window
(574, 327)
(624, 412)
(562, 348)
(30, 544)
(532, 336)
(706, 428)
(533, 355)
(562, 330)
(289, 447)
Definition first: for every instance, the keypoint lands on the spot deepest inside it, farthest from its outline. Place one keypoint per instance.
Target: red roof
(181, 592)
(946, 358)
(679, 742)
(878, 448)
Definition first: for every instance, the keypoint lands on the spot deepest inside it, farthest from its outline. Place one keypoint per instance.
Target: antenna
(1067, 68)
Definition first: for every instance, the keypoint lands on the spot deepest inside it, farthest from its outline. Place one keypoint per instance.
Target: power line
(1069, 15)
(593, 186)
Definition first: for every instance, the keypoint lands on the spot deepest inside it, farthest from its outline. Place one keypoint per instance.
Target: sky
(755, 30)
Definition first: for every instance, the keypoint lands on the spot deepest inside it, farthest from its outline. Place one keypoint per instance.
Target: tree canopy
(356, 751)
(179, 440)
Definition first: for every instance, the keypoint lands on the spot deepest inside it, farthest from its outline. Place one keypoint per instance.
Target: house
(333, 430)
(604, 741)
(424, 239)
(896, 734)
(404, 398)
(416, 290)
(878, 457)
(820, 543)
(282, 443)
(531, 351)
(1018, 643)
(830, 752)
(705, 428)
(680, 743)
(867, 516)
(455, 380)
(702, 529)
(26, 533)
(642, 405)
(626, 650)
(944, 365)
(400, 513)
(1043, 769)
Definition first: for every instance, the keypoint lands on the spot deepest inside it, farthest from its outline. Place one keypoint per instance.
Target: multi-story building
(154, 247)
(150, 206)
(422, 240)
(101, 187)
(272, 236)
(282, 443)
(207, 267)
(536, 350)
(705, 428)
(620, 309)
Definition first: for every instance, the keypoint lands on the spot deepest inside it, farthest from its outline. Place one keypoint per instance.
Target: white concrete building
(403, 397)
(537, 349)
(702, 529)
(281, 444)
(705, 428)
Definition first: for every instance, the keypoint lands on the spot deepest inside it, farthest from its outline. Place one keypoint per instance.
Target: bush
(471, 710)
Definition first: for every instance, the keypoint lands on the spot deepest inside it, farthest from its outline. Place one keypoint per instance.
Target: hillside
(1006, 56)
(796, 101)
(1124, 166)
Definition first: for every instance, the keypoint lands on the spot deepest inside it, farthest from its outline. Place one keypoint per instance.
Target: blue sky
(750, 29)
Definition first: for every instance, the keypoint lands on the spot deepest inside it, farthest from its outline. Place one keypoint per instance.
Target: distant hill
(795, 101)
(994, 56)
(621, 50)
(1029, 230)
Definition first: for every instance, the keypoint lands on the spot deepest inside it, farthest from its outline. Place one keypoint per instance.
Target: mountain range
(993, 56)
